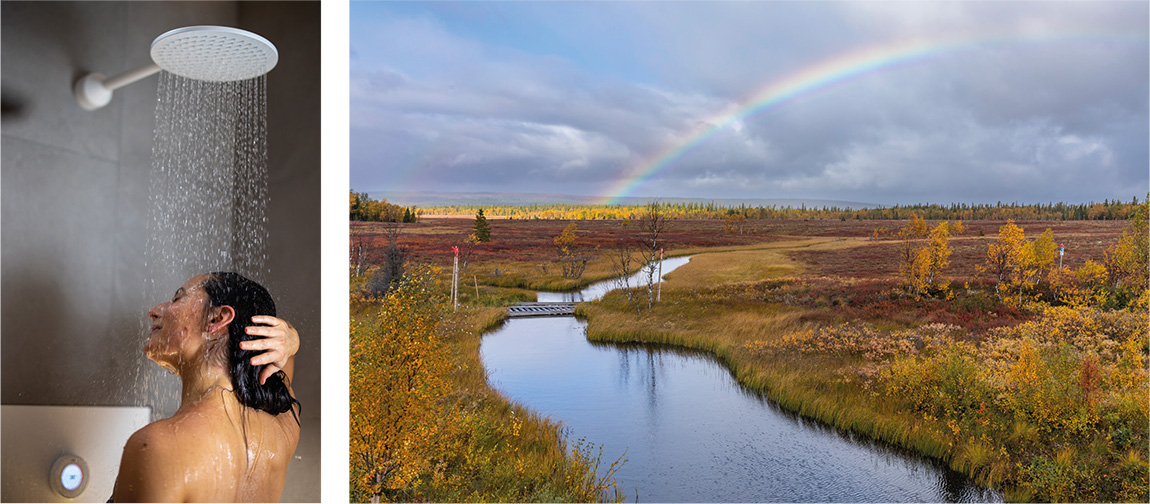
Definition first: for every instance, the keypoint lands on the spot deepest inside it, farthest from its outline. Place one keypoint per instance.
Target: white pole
(659, 294)
(455, 285)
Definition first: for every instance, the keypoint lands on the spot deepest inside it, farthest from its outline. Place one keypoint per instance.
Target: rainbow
(836, 70)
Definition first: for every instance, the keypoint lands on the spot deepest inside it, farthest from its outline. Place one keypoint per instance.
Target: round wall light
(69, 476)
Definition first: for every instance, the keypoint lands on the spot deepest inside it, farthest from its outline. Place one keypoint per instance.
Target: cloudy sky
(875, 102)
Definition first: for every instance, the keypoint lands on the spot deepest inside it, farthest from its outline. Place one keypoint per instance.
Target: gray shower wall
(74, 200)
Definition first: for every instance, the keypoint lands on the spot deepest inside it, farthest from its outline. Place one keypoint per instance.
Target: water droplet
(208, 198)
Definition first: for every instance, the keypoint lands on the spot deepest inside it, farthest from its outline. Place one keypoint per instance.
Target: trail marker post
(455, 280)
(659, 293)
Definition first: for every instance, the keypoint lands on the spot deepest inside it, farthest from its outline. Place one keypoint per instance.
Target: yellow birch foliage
(916, 272)
(1128, 261)
(397, 373)
(1003, 256)
(1083, 287)
(939, 250)
(566, 240)
(1071, 365)
(424, 426)
(1041, 390)
(922, 264)
(735, 223)
(1039, 256)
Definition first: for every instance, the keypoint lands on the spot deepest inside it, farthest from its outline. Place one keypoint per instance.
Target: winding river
(688, 431)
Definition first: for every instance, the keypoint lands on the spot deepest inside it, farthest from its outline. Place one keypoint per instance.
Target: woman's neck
(199, 382)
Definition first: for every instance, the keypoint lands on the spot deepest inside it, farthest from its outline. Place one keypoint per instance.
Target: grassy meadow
(1046, 403)
(1044, 398)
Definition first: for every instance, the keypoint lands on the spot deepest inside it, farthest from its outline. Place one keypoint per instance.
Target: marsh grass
(743, 266)
(491, 296)
(944, 396)
(775, 242)
(540, 275)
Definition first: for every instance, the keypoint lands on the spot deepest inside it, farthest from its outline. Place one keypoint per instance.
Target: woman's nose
(156, 311)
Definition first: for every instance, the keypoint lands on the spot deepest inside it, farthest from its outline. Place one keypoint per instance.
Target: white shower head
(208, 53)
(214, 53)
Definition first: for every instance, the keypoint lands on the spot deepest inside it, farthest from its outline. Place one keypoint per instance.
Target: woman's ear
(220, 318)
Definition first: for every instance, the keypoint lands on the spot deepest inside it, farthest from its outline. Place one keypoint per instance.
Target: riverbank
(442, 434)
(940, 377)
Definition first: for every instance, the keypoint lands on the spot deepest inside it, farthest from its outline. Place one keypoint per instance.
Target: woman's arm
(281, 342)
(150, 468)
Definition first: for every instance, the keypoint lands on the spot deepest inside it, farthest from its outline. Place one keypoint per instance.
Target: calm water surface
(596, 291)
(690, 432)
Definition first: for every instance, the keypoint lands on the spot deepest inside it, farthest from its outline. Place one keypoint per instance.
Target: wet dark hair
(248, 299)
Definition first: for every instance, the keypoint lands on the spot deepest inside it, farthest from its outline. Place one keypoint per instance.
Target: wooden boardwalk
(540, 310)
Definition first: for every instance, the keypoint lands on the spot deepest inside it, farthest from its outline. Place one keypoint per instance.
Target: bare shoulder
(191, 456)
(154, 441)
(149, 469)
(199, 454)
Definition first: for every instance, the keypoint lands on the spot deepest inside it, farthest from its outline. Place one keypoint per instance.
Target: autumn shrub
(974, 304)
(1041, 388)
(424, 423)
(847, 339)
(922, 264)
(1050, 480)
(1088, 330)
(1128, 261)
(946, 382)
(397, 375)
(1058, 399)
(514, 457)
(1072, 368)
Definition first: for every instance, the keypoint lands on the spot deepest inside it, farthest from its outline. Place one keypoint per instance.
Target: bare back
(199, 455)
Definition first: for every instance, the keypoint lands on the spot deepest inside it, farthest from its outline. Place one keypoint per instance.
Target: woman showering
(237, 425)
(238, 422)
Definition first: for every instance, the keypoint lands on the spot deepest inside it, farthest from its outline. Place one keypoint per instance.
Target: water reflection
(597, 290)
(690, 432)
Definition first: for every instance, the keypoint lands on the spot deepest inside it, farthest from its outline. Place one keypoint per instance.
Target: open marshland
(815, 316)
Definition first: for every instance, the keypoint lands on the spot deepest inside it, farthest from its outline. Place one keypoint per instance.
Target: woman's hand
(280, 340)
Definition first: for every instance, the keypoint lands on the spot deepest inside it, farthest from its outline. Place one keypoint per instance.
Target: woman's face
(178, 328)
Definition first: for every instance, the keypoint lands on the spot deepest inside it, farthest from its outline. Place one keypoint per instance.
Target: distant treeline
(363, 208)
(1107, 210)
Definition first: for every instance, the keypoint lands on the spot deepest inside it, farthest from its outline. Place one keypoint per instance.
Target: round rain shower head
(214, 53)
(208, 53)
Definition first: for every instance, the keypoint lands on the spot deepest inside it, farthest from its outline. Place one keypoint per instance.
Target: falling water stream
(207, 199)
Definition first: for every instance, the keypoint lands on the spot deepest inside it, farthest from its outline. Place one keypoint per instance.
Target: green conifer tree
(482, 228)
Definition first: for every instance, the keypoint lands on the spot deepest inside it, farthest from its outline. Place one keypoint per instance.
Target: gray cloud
(1063, 118)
